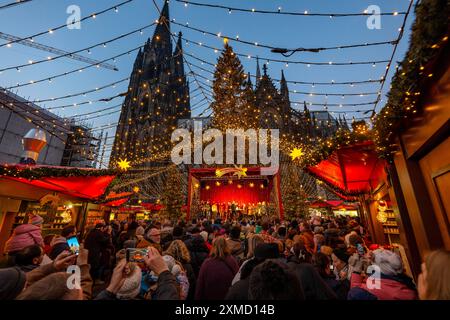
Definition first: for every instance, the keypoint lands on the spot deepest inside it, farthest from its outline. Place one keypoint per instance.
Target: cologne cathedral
(158, 96)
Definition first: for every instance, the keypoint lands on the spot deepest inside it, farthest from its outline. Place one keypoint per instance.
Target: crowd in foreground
(322, 258)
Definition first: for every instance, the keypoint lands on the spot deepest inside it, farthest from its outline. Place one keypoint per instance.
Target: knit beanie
(12, 282)
(131, 286)
(389, 262)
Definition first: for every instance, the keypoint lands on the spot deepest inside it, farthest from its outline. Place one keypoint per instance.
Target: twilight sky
(270, 29)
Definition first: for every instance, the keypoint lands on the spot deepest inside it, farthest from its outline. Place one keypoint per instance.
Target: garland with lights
(429, 33)
(324, 148)
(35, 173)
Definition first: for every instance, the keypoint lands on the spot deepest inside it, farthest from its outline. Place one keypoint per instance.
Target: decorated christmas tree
(173, 196)
(293, 194)
(234, 101)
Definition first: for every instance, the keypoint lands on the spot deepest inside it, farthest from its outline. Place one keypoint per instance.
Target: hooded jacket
(391, 288)
(23, 236)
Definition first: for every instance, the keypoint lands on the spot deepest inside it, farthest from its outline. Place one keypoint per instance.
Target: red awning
(319, 204)
(352, 170)
(116, 203)
(76, 182)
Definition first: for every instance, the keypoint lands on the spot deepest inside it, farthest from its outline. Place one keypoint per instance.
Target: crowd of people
(318, 258)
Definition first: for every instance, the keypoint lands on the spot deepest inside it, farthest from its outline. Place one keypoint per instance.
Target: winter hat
(12, 282)
(131, 286)
(23, 236)
(36, 220)
(266, 251)
(57, 240)
(170, 261)
(204, 234)
(389, 262)
(342, 254)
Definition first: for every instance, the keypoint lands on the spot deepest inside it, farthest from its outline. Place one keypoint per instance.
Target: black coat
(198, 251)
(96, 242)
(314, 287)
(239, 291)
(192, 280)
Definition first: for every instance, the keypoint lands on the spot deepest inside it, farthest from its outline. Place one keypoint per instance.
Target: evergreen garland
(429, 34)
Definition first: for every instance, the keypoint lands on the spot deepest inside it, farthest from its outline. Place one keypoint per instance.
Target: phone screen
(136, 255)
(74, 245)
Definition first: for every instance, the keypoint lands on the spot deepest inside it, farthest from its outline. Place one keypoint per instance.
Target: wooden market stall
(61, 195)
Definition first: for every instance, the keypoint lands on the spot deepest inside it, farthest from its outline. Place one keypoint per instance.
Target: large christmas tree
(173, 196)
(234, 102)
(293, 194)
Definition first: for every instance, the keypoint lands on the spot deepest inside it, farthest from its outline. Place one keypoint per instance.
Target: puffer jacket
(23, 236)
(391, 288)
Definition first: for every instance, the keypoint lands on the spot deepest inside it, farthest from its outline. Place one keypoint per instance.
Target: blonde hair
(438, 275)
(178, 250)
(220, 249)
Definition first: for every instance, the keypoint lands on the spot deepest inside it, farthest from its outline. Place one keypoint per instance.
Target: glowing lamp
(33, 143)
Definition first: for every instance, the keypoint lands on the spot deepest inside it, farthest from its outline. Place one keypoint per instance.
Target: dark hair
(195, 230)
(235, 232)
(282, 231)
(177, 231)
(25, 256)
(272, 280)
(48, 239)
(265, 226)
(321, 262)
(68, 230)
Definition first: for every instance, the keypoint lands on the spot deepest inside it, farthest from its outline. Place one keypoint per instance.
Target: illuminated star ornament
(241, 172)
(136, 189)
(123, 164)
(297, 153)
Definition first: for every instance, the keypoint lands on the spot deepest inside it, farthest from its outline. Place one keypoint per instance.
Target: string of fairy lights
(52, 30)
(280, 11)
(202, 87)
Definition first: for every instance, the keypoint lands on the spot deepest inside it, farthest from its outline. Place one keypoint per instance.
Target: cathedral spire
(162, 36)
(258, 72)
(283, 87)
(249, 81)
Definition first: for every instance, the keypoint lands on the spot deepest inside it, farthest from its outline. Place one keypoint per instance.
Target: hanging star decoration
(241, 172)
(123, 164)
(136, 189)
(296, 153)
(225, 41)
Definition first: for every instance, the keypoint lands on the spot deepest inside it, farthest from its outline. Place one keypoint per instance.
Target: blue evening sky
(274, 30)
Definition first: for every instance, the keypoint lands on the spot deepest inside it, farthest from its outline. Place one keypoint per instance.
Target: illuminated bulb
(50, 31)
(94, 16)
(30, 61)
(9, 45)
(253, 9)
(185, 4)
(306, 12)
(395, 13)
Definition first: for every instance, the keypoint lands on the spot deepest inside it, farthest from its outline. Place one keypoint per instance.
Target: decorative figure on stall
(33, 142)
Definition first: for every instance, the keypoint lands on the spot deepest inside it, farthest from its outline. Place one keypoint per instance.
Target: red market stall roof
(351, 170)
(83, 183)
(320, 204)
